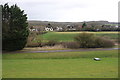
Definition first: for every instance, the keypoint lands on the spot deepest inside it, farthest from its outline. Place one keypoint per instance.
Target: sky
(68, 10)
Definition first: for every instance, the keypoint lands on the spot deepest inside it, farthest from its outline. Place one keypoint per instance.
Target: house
(36, 28)
(48, 29)
(59, 28)
(71, 27)
(32, 28)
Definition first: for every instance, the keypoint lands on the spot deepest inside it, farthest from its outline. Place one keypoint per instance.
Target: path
(70, 50)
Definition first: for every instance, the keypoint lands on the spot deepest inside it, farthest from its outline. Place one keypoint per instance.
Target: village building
(70, 27)
(32, 28)
(59, 28)
(36, 28)
(49, 27)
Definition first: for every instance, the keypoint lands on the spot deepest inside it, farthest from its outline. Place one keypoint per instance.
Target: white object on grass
(97, 59)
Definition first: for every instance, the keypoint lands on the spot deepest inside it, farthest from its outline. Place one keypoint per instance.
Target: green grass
(60, 37)
(111, 36)
(69, 36)
(61, 65)
(60, 68)
(62, 55)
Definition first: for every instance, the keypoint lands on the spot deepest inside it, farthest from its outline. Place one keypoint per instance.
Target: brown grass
(56, 47)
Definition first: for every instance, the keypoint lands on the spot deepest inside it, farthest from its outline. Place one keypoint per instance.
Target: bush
(32, 45)
(88, 40)
(52, 42)
(104, 43)
(72, 45)
(85, 40)
(39, 41)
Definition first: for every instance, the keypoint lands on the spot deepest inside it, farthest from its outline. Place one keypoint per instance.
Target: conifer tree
(14, 28)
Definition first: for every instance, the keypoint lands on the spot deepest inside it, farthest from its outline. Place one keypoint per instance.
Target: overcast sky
(68, 10)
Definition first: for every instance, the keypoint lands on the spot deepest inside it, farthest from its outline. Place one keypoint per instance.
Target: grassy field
(61, 65)
(69, 36)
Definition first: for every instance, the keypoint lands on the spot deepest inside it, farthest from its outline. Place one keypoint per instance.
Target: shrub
(85, 40)
(107, 43)
(31, 37)
(33, 45)
(39, 41)
(72, 45)
(102, 42)
(52, 42)
(88, 40)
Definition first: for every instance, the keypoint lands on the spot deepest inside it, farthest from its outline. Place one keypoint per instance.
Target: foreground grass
(69, 36)
(60, 68)
(61, 65)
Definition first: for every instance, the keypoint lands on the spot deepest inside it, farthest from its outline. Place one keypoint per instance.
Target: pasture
(69, 36)
(79, 64)
(61, 65)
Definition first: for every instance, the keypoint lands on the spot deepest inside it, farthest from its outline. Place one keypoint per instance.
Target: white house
(48, 29)
(34, 29)
(59, 28)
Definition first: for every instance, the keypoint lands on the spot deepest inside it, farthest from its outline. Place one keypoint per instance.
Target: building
(70, 28)
(59, 28)
(48, 29)
(36, 28)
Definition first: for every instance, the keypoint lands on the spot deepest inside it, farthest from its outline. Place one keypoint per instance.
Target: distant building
(48, 29)
(70, 27)
(32, 28)
(59, 28)
(36, 28)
